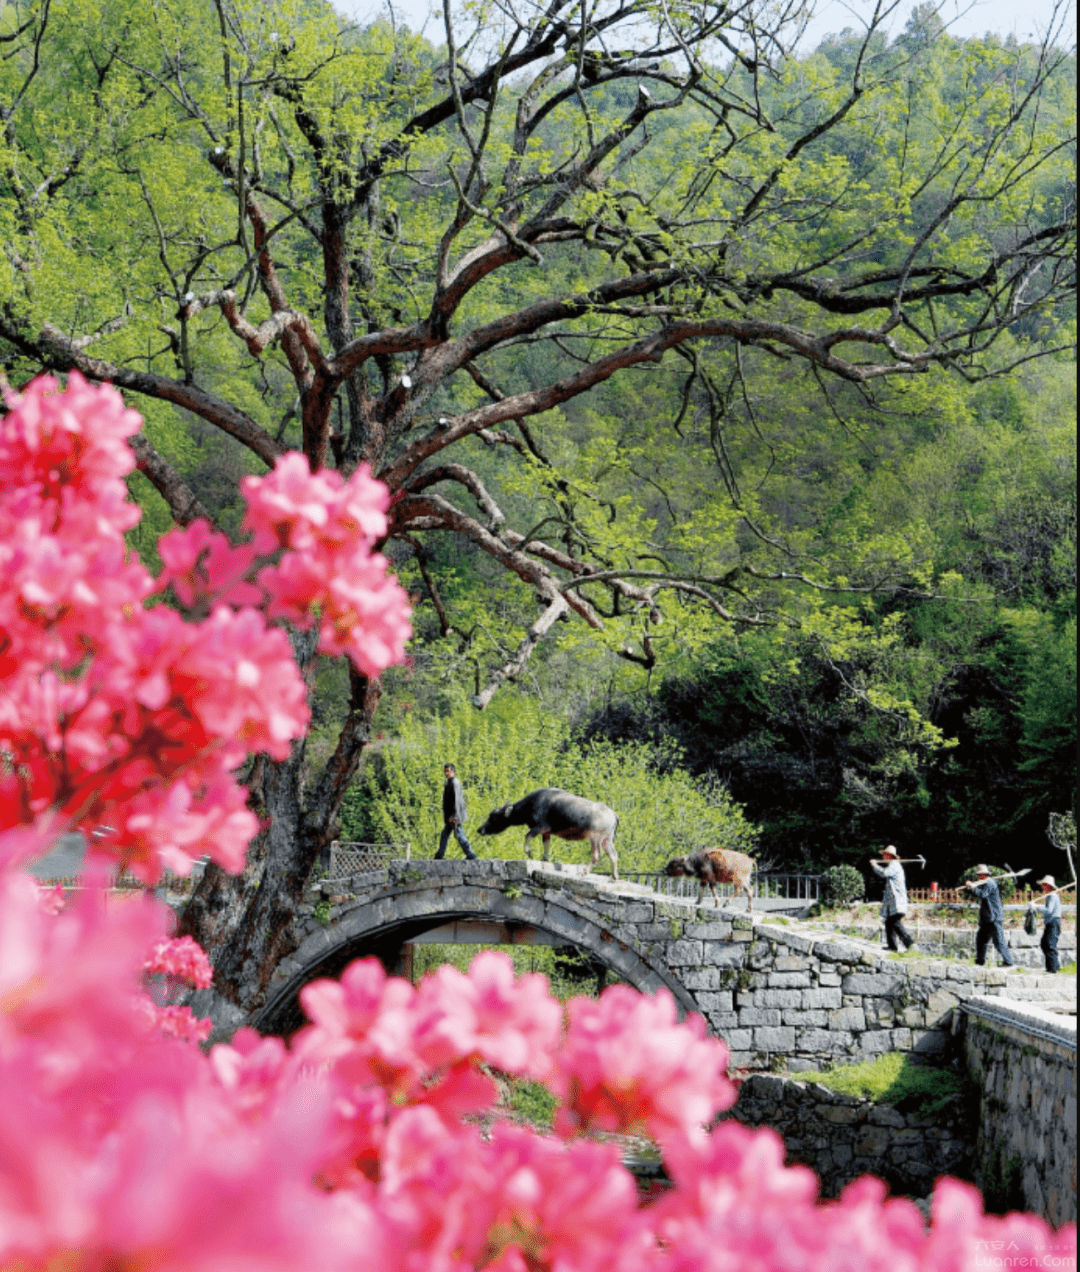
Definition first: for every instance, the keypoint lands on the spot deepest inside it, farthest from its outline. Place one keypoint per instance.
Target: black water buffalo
(713, 866)
(550, 811)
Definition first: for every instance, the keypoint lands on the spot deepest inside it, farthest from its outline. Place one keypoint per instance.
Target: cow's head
(679, 866)
(497, 821)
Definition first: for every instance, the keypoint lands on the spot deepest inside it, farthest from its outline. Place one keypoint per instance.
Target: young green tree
(304, 234)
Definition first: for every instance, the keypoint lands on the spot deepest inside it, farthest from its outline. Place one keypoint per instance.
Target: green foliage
(531, 1102)
(570, 972)
(895, 1079)
(842, 885)
(517, 746)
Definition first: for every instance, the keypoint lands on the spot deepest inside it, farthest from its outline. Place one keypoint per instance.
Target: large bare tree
(359, 235)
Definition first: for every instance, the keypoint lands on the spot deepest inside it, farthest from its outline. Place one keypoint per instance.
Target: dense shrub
(843, 885)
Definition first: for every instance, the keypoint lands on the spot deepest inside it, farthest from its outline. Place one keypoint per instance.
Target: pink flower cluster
(120, 1146)
(183, 958)
(129, 721)
(328, 572)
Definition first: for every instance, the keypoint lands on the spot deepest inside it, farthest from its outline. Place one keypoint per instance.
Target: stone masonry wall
(779, 994)
(1024, 1061)
(842, 1136)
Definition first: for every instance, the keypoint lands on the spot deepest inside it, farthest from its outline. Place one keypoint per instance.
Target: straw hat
(1047, 879)
(889, 852)
(982, 870)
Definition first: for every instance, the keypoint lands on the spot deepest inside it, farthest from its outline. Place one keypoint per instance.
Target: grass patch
(568, 977)
(531, 1102)
(1067, 969)
(894, 1079)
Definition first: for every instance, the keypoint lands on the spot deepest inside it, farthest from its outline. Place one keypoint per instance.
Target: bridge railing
(349, 856)
(791, 887)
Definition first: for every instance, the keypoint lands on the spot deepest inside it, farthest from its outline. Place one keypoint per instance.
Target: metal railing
(790, 887)
(349, 857)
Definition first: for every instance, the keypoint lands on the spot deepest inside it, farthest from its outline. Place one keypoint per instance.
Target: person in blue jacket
(991, 917)
(1051, 923)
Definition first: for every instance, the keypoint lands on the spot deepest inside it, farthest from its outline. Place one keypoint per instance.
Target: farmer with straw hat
(1051, 922)
(894, 903)
(991, 917)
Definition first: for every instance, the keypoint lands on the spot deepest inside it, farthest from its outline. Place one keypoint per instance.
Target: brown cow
(713, 866)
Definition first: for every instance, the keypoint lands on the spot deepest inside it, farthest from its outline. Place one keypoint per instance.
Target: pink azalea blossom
(628, 1065)
(181, 957)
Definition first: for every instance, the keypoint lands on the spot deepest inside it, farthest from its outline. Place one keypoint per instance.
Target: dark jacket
(990, 907)
(453, 802)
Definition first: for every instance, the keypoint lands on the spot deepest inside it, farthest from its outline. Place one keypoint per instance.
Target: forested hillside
(725, 397)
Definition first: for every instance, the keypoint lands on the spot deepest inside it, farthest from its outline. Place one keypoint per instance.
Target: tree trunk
(246, 923)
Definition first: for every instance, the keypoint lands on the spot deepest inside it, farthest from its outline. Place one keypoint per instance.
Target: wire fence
(349, 857)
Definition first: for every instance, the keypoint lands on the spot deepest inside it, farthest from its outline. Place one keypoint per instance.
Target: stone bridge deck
(777, 990)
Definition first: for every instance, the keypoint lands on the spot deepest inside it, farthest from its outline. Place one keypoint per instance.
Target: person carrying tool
(1051, 923)
(991, 917)
(894, 903)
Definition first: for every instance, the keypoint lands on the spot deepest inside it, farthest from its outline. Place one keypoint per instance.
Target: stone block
(877, 1041)
(804, 1019)
(839, 1115)
(795, 1065)
(754, 1016)
(827, 999)
(792, 940)
(829, 979)
(834, 952)
(739, 935)
(930, 1042)
(789, 980)
(880, 984)
(847, 1018)
(902, 1039)
(766, 1086)
(883, 1115)
(701, 978)
(717, 954)
(960, 972)
(914, 1017)
(774, 1039)
(778, 998)
(789, 963)
(939, 1004)
(717, 1000)
(722, 1021)
(683, 953)
(738, 1040)
(827, 1040)
(743, 922)
(709, 931)
(872, 1141)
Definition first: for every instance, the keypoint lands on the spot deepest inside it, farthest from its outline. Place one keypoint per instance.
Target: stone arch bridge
(772, 988)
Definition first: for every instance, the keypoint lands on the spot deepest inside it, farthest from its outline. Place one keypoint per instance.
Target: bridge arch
(403, 909)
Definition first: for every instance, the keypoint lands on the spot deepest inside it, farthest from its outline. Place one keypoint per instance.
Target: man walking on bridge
(894, 903)
(454, 813)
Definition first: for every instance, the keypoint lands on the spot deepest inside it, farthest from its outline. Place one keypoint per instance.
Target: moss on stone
(896, 1080)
